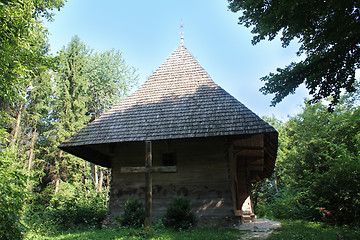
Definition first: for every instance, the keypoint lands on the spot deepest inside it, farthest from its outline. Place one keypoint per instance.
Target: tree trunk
(101, 178)
(17, 126)
(85, 167)
(31, 154)
(96, 178)
(108, 179)
(57, 181)
(276, 184)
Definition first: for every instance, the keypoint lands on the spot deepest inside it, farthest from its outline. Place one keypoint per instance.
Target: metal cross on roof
(182, 33)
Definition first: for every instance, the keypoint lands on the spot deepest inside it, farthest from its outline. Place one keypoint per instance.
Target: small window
(169, 159)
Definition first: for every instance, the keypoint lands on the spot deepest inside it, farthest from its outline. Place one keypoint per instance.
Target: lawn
(302, 230)
(135, 234)
(298, 230)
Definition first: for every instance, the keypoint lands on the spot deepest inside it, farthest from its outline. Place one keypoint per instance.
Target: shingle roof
(179, 100)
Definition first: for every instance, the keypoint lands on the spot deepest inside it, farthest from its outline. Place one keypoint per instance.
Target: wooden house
(217, 144)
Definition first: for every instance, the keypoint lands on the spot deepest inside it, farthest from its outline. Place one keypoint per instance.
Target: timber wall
(203, 176)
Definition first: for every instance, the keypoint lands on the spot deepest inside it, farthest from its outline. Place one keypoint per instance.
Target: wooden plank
(250, 141)
(133, 170)
(158, 169)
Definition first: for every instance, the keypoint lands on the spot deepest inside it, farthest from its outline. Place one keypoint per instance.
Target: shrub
(179, 215)
(12, 194)
(134, 214)
(73, 207)
(337, 192)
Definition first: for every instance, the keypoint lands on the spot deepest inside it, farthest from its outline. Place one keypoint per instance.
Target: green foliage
(289, 205)
(342, 205)
(23, 48)
(179, 215)
(12, 195)
(43, 101)
(54, 106)
(318, 167)
(85, 85)
(331, 59)
(75, 206)
(302, 230)
(110, 80)
(134, 214)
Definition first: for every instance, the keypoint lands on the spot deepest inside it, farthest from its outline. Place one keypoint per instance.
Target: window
(169, 159)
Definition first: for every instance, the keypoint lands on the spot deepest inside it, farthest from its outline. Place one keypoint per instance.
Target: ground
(258, 229)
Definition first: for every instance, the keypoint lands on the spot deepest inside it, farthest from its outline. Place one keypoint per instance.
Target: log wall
(203, 176)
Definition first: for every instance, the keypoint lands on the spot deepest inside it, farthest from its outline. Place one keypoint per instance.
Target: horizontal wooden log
(169, 169)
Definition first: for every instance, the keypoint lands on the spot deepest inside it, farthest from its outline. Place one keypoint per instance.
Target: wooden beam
(241, 148)
(169, 169)
(148, 170)
(148, 185)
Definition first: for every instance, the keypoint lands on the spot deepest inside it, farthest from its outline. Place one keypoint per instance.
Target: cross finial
(182, 33)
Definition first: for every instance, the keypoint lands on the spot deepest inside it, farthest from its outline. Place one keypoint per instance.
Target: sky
(147, 32)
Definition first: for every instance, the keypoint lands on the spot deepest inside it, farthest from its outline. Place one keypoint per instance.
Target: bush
(12, 194)
(289, 205)
(73, 207)
(134, 214)
(337, 193)
(179, 215)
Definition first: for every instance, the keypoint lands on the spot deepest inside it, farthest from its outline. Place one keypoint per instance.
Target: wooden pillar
(148, 185)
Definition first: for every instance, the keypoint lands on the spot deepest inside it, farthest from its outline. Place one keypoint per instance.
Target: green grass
(290, 230)
(299, 230)
(135, 234)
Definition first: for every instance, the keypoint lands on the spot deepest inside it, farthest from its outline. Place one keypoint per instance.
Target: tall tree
(69, 105)
(86, 85)
(37, 112)
(329, 36)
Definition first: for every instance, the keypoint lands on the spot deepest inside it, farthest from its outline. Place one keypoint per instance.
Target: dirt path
(259, 229)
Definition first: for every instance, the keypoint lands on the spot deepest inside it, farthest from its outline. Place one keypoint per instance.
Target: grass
(136, 234)
(299, 230)
(290, 230)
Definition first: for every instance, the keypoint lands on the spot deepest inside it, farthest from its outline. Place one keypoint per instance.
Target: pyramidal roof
(179, 100)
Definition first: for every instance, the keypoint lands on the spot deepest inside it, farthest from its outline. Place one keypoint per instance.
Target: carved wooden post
(148, 185)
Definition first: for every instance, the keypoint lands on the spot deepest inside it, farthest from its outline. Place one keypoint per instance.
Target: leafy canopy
(329, 36)
(317, 174)
(23, 46)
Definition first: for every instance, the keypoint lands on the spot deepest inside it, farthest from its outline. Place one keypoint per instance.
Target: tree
(329, 36)
(110, 80)
(70, 102)
(23, 45)
(86, 84)
(23, 55)
(318, 167)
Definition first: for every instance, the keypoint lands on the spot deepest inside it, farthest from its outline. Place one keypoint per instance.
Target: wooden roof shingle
(179, 100)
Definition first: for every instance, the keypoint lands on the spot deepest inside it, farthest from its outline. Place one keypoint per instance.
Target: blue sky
(147, 32)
